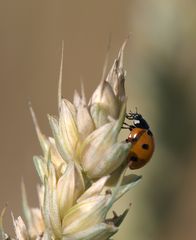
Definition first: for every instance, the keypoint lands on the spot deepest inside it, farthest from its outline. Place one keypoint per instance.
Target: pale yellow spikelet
(82, 169)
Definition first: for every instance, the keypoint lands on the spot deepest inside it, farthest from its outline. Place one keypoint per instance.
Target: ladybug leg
(127, 126)
(123, 127)
(129, 116)
(131, 127)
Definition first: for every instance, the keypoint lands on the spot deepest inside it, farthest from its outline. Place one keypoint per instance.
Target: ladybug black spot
(149, 133)
(133, 158)
(145, 146)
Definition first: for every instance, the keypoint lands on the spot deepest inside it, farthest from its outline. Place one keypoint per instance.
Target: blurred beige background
(160, 62)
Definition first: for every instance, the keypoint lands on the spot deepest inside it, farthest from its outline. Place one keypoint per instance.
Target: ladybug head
(134, 116)
(138, 120)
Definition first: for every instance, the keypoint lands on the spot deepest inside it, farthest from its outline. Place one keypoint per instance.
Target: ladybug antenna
(136, 110)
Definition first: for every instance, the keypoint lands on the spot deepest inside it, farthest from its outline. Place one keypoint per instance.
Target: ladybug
(142, 141)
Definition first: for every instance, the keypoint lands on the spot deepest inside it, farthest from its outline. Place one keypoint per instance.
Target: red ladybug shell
(142, 147)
